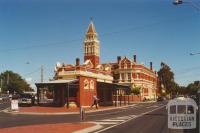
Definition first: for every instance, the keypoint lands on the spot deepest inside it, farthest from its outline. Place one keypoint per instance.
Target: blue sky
(43, 32)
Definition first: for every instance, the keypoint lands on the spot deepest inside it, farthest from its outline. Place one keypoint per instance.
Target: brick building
(129, 72)
(80, 82)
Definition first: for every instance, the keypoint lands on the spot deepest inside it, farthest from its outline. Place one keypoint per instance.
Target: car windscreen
(26, 96)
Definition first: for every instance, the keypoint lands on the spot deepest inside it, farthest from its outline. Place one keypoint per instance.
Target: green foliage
(14, 82)
(166, 78)
(136, 90)
(192, 88)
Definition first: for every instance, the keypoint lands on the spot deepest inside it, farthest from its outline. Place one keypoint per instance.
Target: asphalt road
(12, 120)
(4, 105)
(138, 118)
(153, 122)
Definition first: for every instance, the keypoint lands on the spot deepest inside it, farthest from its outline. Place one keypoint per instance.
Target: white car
(25, 99)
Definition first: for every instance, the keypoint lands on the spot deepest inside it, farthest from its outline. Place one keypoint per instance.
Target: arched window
(86, 84)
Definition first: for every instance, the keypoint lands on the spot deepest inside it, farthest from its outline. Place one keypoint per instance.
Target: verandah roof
(56, 82)
(114, 86)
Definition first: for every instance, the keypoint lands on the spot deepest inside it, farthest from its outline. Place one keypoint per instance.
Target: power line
(37, 46)
(30, 73)
(102, 35)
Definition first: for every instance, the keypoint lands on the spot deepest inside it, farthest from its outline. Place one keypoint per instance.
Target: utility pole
(1, 82)
(1, 85)
(42, 73)
(8, 78)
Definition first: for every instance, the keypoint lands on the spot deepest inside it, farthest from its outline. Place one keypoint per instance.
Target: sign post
(82, 114)
(14, 105)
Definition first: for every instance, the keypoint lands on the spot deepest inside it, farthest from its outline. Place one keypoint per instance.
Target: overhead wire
(30, 47)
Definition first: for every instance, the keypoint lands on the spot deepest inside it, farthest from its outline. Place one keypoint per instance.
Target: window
(137, 76)
(190, 109)
(86, 84)
(181, 109)
(173, 109)
(92, 84)
(129, 77)
(123, 77)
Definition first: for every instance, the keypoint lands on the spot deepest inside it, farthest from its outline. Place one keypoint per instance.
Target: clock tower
(91, 45)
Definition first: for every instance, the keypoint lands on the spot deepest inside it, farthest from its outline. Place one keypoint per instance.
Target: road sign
(14, 105)
(182, 113)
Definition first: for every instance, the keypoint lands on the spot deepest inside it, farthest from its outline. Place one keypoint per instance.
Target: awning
(56, 82)
(115, 85)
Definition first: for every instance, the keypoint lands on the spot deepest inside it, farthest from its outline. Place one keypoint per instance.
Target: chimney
(118, 59)
(135, 58)
(77, 62)
(151, 65)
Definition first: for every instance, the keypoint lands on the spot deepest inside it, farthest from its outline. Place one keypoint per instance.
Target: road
(4, 105)
(11, 120)
(137, 118)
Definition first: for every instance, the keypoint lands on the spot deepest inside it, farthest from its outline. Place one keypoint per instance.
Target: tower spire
(91, 45)
(91, 29)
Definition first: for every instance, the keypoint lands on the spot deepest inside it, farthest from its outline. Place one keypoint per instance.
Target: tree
(136, 90)
(192, 88)
(13, 82)
(166, 78)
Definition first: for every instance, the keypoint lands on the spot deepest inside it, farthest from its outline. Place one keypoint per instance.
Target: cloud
(29, 79)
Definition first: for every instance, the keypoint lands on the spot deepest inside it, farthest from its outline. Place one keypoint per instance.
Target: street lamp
(194, 53)
(177, 2)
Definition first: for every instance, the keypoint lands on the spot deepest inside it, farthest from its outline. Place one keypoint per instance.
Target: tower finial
(91, 18)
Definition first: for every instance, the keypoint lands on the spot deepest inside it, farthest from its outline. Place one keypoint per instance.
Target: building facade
(131, 73)
(78, 83)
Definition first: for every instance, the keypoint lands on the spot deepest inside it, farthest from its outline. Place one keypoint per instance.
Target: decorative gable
(125, 63)
(88, 64)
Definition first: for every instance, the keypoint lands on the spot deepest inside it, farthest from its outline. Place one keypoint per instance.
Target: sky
(35, 33)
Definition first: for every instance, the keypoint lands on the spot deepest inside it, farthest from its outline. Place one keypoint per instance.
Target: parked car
(5, 98)
(159, 99)
(25, 99)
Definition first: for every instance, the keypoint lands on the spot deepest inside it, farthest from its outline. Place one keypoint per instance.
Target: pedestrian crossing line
(124, 117)
(113, 120)
(155, 106)
(132, 116)
(106, 123)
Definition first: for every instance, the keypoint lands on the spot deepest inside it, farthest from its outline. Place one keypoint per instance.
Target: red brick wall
(94, 59)
(86, 95)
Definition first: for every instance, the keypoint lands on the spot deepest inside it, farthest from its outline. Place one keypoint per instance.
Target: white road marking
(90, 129)
(106, 123)
(112, 120)
(128, 120)
(155, 106)
(123, 117)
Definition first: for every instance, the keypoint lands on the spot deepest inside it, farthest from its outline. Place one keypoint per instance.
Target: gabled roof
(125, 60)
(88, 63)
